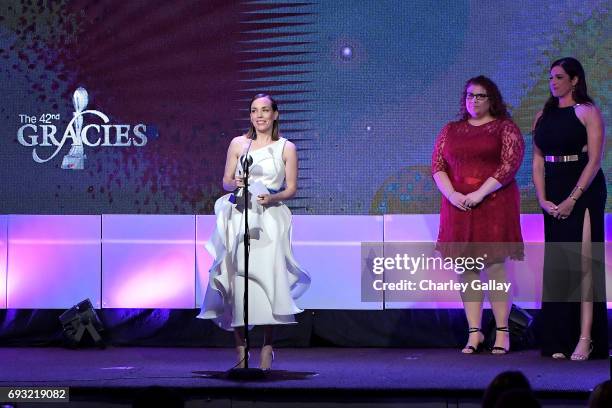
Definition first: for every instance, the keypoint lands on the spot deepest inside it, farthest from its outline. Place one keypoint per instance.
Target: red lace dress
(469, 155)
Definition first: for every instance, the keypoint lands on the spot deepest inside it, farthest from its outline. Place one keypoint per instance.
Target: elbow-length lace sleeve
(513, 149)
(437, 159)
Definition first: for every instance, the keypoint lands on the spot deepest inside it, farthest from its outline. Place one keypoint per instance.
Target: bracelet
(579, 188)
(573, 198)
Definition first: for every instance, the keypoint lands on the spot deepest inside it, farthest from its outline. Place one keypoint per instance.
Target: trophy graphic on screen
(75, 159)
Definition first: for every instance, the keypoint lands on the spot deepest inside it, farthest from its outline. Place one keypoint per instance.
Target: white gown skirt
(275, 278)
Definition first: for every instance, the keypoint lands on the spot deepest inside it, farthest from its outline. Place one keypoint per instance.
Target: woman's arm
(439, 171)
(475, 197)
(537, 171)
(230, 182)
(446, 188)
(590, 116)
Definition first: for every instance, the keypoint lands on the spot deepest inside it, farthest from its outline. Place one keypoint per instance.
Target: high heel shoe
(267, 357)
(469, 349)
(499, 349)
(579, 356)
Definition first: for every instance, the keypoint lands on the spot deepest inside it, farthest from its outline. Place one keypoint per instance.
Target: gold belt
(562, 159)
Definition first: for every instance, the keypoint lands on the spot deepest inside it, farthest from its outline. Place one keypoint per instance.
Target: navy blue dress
(559, 133)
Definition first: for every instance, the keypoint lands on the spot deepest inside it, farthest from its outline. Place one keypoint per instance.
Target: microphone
(245, 162)
(245, 159)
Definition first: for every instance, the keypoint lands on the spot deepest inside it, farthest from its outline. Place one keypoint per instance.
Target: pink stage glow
(205, 225)
(3, 259)
(159, 261)
(158, 282)
(148, 261)
(424, 228)
(329, 248)
(54, 261)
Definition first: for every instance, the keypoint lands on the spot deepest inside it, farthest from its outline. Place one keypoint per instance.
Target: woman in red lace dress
(473, 164)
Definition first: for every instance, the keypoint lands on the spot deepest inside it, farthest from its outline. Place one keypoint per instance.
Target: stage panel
(161, 260)
(3, 259)
(54, 261)
(526, 275)
(411, 227)
(424, 227)
(205, 225)
(329, 248)
(148, 261)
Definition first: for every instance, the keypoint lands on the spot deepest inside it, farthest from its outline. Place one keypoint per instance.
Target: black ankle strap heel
(498, 349)
(469, 349)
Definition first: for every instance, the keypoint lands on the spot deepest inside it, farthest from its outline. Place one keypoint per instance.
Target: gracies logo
(40, 133)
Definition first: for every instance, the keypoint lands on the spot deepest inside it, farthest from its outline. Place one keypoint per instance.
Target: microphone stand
(246, 373)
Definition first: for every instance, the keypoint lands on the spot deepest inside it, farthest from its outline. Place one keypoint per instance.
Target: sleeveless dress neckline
(268, 145)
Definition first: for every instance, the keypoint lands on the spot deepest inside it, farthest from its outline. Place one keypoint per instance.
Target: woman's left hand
(565, 209)
(265, 199)
(473, 199)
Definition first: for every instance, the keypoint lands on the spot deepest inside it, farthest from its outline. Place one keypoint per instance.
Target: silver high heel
(266, 358)
(582, 357)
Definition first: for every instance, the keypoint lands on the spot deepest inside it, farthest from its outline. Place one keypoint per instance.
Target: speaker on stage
(77, 320)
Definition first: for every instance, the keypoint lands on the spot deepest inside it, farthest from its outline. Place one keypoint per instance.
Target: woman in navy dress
(571, 190)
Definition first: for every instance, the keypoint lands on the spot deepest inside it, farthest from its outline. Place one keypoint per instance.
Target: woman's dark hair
(506, 381)
(251, 133)
(601, 395)
(574, 69)
(517, 398)
(158, 396)
(497, 107)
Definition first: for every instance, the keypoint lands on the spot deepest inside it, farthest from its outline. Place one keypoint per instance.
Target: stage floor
(304, 372)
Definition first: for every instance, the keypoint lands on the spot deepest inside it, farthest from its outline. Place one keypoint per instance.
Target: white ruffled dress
(275, 278)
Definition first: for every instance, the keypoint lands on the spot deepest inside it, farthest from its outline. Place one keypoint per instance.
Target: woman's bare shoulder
(586, 110)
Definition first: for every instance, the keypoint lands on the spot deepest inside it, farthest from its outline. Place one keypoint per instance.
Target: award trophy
(75, 159)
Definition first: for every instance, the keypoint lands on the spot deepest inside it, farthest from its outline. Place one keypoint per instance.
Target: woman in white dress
(275, 278)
